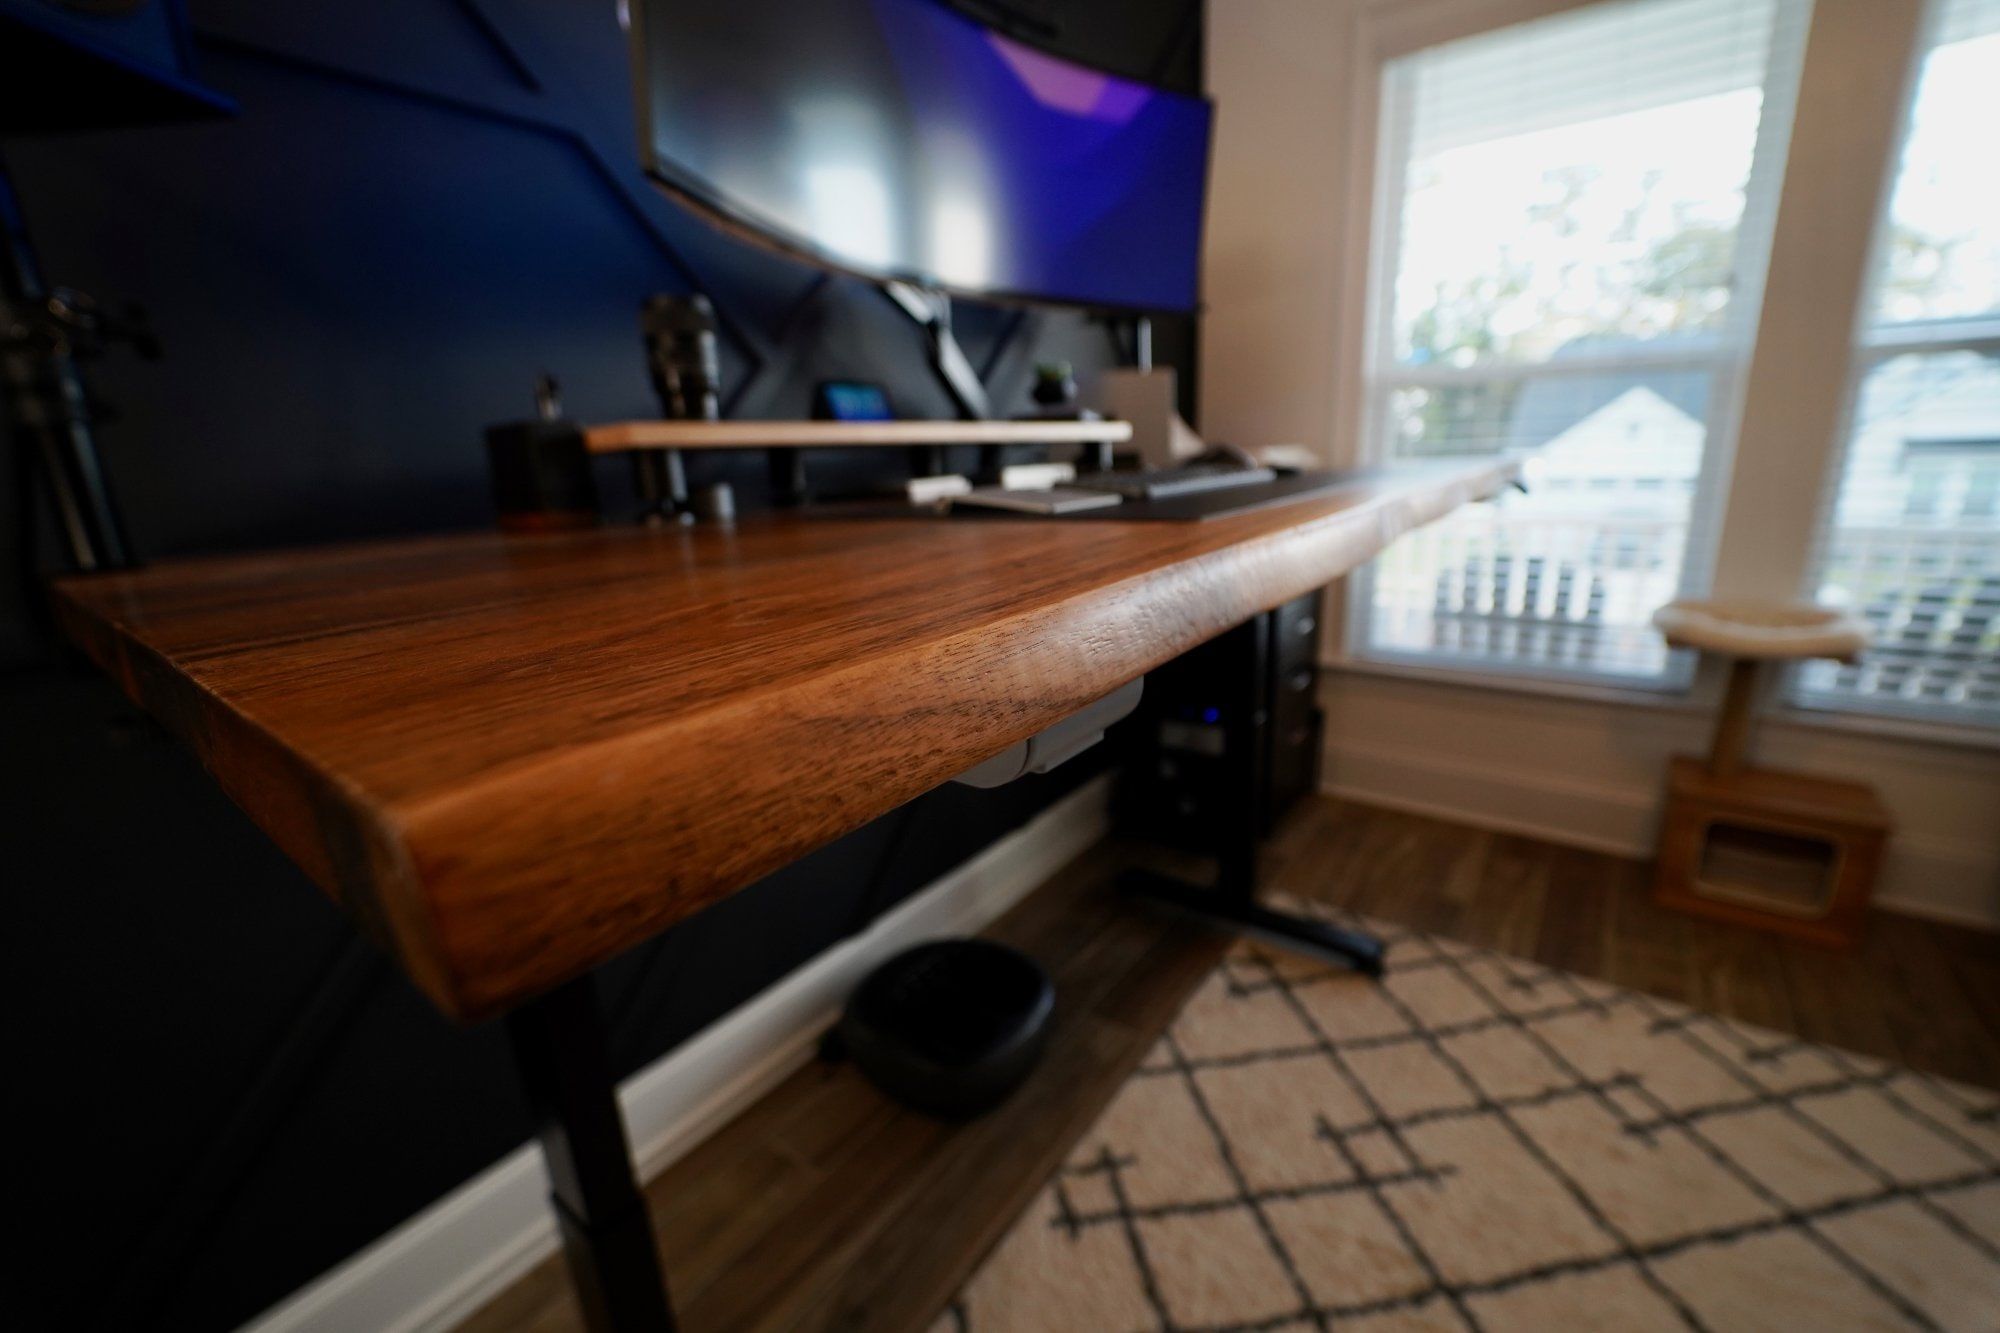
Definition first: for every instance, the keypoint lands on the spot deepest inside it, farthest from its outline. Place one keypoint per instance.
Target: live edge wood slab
(510, 758)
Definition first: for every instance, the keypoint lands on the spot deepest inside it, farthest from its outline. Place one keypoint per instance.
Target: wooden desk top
(511, 758)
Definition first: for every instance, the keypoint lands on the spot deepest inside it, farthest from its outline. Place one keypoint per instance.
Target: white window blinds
(1912, 536)
(1573, 228)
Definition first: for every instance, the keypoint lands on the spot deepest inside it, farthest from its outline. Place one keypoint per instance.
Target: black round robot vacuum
(951, 1027)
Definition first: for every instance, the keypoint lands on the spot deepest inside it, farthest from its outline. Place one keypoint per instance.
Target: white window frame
(1724, 357)
(1870, 347)
(1736, 553)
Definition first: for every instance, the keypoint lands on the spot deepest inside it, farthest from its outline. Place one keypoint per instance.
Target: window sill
(1957, 737)
(1670, 697)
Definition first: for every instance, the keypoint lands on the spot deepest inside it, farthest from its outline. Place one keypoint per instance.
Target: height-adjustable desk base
(607, 1234)
(1238, 911)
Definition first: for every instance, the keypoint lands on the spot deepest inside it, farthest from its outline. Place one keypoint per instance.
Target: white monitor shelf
(623, 436)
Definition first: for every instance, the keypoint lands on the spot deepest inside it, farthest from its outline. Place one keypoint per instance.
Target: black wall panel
(219, 1091)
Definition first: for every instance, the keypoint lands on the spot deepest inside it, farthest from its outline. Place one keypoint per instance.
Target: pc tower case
(1227, 735)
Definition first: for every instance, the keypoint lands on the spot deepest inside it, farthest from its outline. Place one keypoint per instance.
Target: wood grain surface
(510, 758)
(619, 436)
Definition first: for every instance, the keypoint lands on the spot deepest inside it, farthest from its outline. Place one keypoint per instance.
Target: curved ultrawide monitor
(900, 140)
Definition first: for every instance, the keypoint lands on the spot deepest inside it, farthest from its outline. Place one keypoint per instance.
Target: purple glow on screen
(1066, 87)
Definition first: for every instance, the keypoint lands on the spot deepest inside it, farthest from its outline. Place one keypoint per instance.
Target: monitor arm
(932, 309)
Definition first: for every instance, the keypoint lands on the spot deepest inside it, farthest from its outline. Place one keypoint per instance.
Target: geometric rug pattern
(1482, 1143)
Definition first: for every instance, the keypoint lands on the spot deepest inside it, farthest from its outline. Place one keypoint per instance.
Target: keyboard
(1052, 500)
(1163, 483)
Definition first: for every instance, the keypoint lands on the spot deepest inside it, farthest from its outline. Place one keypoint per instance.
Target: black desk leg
(1232, 902)
(607, 1235)
(1240, 912)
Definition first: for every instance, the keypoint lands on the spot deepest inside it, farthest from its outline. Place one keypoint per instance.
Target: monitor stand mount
(932, 310)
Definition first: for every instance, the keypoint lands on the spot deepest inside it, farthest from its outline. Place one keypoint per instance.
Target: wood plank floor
(825, 1207)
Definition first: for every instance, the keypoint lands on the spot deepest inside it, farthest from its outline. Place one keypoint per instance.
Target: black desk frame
(607, 1233)
(559, 1047)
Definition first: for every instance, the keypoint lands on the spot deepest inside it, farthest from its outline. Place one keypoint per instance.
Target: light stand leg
(43, 403)
(607, 1234)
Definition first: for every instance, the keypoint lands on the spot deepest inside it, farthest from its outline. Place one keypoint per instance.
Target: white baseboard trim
(1479, 819)
(1925, 877)
(446, 1262)
(1943, 881)
(1576, 814)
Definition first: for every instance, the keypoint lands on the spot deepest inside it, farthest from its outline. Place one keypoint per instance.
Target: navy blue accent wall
(219, 1091)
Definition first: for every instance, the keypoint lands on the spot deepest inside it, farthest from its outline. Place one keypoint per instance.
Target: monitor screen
(898, 139)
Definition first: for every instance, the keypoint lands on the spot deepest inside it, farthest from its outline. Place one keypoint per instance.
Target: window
(1912, 538)
(1574, 216)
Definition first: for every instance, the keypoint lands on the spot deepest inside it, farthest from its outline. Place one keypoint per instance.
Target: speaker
(542, 479)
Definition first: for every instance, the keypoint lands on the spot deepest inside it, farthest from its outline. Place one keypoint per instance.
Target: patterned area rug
(1482, 1143)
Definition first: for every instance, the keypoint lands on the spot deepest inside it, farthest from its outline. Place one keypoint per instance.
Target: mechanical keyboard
(1162, 483)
